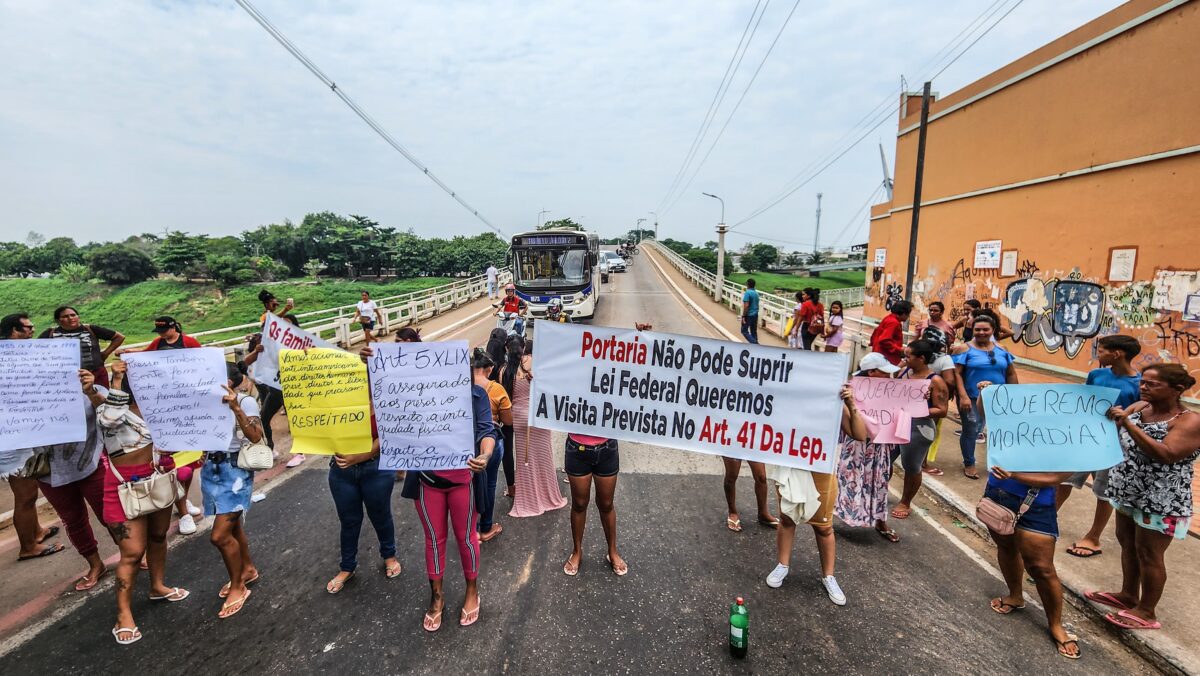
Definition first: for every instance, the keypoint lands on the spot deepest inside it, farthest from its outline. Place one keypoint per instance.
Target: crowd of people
(1150, 492)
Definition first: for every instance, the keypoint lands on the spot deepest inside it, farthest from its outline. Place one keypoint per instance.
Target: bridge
(919, 605)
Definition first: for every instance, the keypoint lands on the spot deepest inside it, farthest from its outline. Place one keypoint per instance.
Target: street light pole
(721, 230)
(638, 227)
(543, 211)
(655, 224)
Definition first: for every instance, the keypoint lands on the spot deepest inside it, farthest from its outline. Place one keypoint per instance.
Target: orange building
(1062, 190)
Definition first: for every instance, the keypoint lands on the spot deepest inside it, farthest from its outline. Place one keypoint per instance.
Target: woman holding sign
(1151, 491)
(983, 360)
(920, 357)
(130, 453)
(864, 467)
(454, 495)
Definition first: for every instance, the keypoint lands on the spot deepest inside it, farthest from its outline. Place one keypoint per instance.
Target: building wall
(1132, 99)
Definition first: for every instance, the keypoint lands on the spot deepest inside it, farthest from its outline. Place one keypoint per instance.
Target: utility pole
(638, 227)
(917, 183)
(817, 233)
(721, 230)
(543, 211)
(655, 224)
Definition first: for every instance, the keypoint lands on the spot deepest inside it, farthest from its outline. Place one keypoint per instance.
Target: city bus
(561, 264)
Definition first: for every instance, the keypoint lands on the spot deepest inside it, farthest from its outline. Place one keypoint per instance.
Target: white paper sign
(1172, 287)
(423, 405)
(987, 254)
(752, 402)
(1008, 263)
(179, 393)
(1121, 265)
(41, 402)
(280, 334)
(880, 261)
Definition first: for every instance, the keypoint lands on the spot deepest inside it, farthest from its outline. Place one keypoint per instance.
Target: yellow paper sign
(186, 457)
(328, 404)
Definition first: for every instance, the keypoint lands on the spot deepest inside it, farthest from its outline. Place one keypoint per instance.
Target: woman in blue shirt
(983, 361)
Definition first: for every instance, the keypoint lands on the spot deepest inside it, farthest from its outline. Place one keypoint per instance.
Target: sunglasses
(992, 357)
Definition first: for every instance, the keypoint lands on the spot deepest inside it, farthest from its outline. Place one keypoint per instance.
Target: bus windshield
(550, 267)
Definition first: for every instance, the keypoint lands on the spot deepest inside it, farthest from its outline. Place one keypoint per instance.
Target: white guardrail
(335, 323)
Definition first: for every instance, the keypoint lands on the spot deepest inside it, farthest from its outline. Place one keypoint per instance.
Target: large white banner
(41, 402)
(280, 334)
(423, 406)
(179, 394)
(753, 402)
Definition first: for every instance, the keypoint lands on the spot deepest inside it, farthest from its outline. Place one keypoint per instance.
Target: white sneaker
(193, 510)
(834, 591)
(296, 461)
(775, 579)
(187, 525)
(258, 497)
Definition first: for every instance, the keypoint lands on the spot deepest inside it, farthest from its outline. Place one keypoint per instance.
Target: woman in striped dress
(537, 488)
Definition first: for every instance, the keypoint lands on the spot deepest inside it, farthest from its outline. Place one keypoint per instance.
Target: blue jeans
(970, 429)
(487, 508)
(354, 487)
(750, 328)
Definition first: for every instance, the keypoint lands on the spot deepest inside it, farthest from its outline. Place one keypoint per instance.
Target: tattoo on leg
(119, 531)
(122, 585)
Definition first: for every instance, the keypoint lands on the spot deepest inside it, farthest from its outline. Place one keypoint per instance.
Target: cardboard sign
(1051, 427)
(328, 406)
(179, 394)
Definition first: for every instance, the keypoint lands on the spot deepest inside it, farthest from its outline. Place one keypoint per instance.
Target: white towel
(798, 496)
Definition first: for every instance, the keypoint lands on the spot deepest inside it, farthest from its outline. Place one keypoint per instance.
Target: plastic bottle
(739, 628)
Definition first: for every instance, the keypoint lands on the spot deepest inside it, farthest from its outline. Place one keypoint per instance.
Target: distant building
(1062, 190)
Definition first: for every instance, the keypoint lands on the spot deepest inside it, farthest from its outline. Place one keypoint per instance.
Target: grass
(198, 307)
(789, 284)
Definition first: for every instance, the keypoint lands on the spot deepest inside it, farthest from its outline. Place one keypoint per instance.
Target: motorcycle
(512, 323)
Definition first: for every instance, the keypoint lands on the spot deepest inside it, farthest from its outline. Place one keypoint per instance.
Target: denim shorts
(601, 460)
(226, 488)
(1039, 519)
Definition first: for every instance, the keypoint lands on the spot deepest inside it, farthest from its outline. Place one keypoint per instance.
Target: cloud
(123, 117)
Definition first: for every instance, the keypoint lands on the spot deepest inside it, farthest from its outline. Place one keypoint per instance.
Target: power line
(312, 67)
(807, 174)
(737, 105)
(735, 62)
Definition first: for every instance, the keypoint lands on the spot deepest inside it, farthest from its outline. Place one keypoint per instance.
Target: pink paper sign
(893, 404)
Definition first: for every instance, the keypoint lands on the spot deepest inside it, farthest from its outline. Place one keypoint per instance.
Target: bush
(707, 260)
(121, 264)
(74, 272)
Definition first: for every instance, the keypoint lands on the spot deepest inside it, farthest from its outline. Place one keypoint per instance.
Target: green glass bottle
(739, 628)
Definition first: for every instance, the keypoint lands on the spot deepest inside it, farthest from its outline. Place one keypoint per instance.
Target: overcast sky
(122, 117)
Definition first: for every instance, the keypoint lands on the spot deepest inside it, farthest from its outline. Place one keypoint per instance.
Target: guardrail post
(343, 330)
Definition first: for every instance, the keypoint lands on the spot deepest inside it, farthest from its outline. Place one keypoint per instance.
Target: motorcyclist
(554, 312)
(514, 306)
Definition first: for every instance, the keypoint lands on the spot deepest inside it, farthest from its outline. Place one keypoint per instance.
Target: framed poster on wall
(1121, 263)
(987, 254)
(1008, 263)
(880, 257)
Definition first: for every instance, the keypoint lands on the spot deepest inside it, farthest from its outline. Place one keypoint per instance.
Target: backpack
(816, 325)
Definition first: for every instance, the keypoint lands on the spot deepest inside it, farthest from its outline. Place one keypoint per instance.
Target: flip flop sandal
(492, 534)
(135, 635)
(889, 535)
(621, 572)
(1128, 620)
(230, 609)
(432, 622)
(49, 551)
(932, 471)
(734, 525)
(1088, 552)
(50, 532)
(769, 523)
(1001, 608)
(224, 593)
(175, 596)
(335, 585)
(569, 571)
(898, 514)
(467, 618)
(1071, 638)
(972, 477)
(393, 572)
(1106, 599)
(82, 585)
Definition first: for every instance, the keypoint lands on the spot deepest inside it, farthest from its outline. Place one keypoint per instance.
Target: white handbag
(254, 457)
(147, 495)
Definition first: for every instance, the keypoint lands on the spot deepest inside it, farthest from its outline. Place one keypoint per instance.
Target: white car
(615, 262)
(604, 269)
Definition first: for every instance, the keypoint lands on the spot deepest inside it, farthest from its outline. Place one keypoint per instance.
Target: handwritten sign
(751, 402)
(422, 397)
(41, 402)
(179, 393)
(1051, 428)
(328, 406)
(892, 404)
(278, 335)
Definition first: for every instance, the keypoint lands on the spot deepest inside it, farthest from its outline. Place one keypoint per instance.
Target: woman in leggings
(454, 495)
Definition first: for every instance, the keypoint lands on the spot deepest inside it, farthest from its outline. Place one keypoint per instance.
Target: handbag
(1000, 519)
(254, 457)
(36, 467)
(145, 496)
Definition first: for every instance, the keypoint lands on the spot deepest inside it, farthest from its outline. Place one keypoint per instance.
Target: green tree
(677, 246)
(409, 255)
(760, 257)
(816, 258)
(182, 254)
(560, 224)
(121, 264)
(313, 268)
(708, 260)
(711, 246)
(75, 273)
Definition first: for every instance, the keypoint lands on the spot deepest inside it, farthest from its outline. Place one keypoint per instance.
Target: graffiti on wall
(1056, 313)
(893, 293)
(1131, 304)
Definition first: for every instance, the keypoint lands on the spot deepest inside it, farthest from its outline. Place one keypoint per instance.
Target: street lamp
(543, 211)
(655, 214)
(721, 230)
(638, 227)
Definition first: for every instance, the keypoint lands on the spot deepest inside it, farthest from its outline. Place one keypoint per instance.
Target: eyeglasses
(27, 327)
(992, 357)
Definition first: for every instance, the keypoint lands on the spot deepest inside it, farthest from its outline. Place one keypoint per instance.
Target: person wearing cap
(888, 338)
(170, 336)
(865, 467)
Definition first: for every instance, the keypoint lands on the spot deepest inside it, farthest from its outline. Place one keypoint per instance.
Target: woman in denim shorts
(589, 460)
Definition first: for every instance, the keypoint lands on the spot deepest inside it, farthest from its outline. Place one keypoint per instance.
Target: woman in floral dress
(865, 467)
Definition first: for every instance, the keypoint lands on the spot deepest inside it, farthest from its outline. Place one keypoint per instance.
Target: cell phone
(291, 302)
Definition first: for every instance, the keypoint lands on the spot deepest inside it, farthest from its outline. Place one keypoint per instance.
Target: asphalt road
(919, 606)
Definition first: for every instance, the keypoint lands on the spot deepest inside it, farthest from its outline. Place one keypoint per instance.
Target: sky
(120, 117)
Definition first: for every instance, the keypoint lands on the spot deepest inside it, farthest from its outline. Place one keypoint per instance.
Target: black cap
(163, 323)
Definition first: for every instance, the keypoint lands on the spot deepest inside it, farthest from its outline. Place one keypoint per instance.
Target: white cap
(875, 361)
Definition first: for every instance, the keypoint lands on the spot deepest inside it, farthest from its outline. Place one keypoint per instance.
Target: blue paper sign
(1050, 428)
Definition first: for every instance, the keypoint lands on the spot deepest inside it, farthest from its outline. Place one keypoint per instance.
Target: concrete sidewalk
(1175, 647)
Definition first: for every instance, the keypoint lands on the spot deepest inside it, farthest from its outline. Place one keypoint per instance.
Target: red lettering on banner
(771, 440)
(611, 349)
(714, 432)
